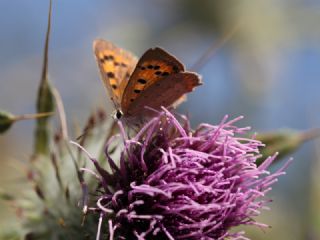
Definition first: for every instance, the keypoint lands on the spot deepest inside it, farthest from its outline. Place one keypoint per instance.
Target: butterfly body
(156, 79)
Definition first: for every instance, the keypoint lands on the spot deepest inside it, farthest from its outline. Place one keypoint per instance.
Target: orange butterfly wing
(116, 66)
(155, 65)
(158, 80)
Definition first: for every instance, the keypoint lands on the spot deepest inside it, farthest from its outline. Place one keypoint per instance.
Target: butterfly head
(117, 114)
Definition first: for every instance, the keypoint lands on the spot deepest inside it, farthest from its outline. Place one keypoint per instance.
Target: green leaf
(45, 99)
(285, 142)
(6, 121)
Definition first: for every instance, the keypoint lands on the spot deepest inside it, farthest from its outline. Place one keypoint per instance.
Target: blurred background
(268, 72)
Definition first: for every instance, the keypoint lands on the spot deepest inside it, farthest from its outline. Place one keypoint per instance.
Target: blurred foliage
(314, 206)
(284, 142)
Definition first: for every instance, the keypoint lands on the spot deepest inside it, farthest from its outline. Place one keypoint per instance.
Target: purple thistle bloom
(176, 183)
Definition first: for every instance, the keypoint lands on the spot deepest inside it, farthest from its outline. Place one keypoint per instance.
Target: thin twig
(31, 116)
(213, 48)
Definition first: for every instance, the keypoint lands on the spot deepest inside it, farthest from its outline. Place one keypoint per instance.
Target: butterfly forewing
(116, 66)
(154, 66)
(163, 93)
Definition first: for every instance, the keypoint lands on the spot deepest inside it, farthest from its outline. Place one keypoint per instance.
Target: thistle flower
(175, 183)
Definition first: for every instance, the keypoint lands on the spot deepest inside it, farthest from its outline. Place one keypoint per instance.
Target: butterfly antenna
(214, 47)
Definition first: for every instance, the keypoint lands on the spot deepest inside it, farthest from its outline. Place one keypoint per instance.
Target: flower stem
(32, 116)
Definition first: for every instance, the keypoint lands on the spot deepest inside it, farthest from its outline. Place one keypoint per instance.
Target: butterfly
(156, 79)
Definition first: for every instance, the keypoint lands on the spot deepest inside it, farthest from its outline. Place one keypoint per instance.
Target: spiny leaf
(45, 100)
(284, 142)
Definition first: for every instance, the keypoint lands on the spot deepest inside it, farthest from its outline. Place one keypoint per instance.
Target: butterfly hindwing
(164, 93)
(154, 66)
(116, 66)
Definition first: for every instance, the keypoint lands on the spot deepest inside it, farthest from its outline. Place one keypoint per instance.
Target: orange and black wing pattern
(159, 79)
(154, 66)
(116, 66)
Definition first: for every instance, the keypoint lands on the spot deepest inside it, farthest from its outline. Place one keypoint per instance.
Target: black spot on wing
(107, 58)
(114, 86)
(110, 74)
(165, 74)
(142, 81)
(137, 90)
